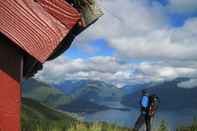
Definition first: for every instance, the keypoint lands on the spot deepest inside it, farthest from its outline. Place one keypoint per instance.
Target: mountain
(91, 90)
(83, 100)
(70, 86)
(128, 89)
(171, 96)
(38, 117)
(44, 93)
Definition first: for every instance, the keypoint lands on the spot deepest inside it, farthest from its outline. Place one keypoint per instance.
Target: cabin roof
(37, 26)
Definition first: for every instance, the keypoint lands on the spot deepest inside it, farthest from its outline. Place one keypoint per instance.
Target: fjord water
(127, 118)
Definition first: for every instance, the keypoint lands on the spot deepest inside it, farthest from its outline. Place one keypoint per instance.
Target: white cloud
(159, 72)
(109, 69)
(188, 84)
(139, 31)
(159, 45)
(96, 68)
(124, 18)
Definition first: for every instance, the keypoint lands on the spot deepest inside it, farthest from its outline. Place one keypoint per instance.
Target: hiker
(144, 115)
(149, 105)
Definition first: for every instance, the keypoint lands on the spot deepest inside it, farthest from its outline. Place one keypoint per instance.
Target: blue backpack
(145, 101)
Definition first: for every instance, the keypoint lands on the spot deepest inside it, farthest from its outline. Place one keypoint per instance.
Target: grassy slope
(44, 93)
(193, 127)
(38, 117)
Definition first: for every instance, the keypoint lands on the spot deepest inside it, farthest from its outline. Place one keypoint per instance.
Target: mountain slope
(82, 101)
(88, 95)
(36, 117)
(171, 96)
(44, 93)
(95, 91)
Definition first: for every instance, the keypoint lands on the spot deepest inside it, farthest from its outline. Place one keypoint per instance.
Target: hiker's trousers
(144, 118)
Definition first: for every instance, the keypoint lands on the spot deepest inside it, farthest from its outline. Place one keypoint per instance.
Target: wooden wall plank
(11, 70)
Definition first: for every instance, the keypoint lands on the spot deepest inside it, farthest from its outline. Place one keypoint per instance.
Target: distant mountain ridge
(171, 96)
(90, 89)
(83, 95)
(128, 89)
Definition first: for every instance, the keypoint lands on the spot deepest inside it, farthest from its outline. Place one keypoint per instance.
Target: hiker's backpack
(154, 104)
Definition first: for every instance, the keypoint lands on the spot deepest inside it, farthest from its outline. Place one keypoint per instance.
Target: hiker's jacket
(144, 103)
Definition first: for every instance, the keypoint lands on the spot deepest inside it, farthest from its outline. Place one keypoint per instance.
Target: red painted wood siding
(37, 26)
(10, 91)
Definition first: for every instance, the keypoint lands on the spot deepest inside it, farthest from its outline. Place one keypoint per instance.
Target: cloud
(96, 68)
(159, 72)
(188, 84)
(137, 30)
(176, 44)
(160, 44)
(109, 69)
(124, 18)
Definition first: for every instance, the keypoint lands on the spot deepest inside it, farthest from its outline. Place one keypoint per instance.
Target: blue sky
(155, 38)
(98, 47)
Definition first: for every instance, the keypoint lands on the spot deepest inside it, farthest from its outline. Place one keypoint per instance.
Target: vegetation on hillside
(44, 93)
(163, 126)
(192, 127)
(80, 100)
(38, 117)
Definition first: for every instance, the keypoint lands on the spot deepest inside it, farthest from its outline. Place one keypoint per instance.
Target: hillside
(38, 117)
(44, 93)
(82, 101)
(88, 95)
(78, 106)
(171, 96)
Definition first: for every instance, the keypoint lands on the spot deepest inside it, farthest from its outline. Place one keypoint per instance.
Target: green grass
(96, 127)
(38, 117)
(192, 127)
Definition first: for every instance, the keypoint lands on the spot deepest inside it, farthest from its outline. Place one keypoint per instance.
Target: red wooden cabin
(32, 32)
